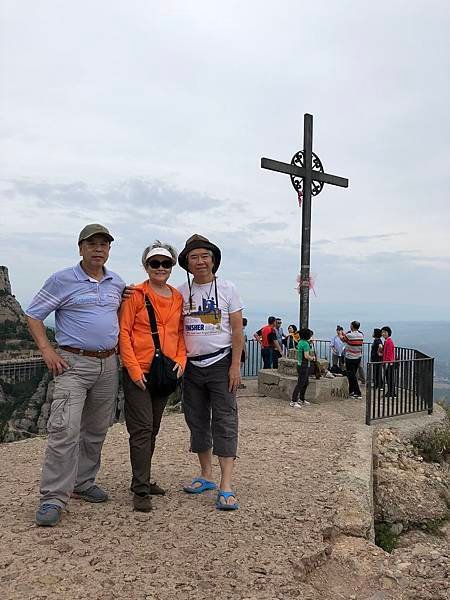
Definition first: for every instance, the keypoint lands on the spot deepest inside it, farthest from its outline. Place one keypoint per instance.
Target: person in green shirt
(305, 356)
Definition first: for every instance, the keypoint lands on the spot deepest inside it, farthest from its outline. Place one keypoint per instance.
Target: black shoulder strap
(153, 324)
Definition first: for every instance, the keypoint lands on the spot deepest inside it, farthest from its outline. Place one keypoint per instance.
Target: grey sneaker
(142, 503)
(93, 494)
(48, 515)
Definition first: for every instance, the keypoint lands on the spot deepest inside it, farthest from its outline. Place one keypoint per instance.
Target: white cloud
(152, 118)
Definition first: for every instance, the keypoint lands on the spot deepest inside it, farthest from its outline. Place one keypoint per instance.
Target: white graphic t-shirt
(206, 325)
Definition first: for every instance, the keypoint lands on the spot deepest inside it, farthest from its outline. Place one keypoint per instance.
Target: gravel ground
(274, 547)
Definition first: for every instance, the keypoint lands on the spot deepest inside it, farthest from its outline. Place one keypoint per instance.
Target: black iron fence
(402, 387)
(253, 360)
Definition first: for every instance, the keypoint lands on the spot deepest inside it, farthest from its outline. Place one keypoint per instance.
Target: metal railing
(19, 370)
(253, 360)
(402, 387)
(405, 388)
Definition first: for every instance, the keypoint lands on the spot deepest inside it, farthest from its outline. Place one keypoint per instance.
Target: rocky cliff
(10, 309)
(29, 417)
(20, 403)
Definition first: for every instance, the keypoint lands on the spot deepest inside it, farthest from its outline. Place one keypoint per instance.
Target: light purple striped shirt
(85, 309)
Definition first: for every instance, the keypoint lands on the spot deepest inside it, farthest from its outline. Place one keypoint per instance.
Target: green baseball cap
(94, 229)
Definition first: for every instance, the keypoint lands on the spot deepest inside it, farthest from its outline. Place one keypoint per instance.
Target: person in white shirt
(214, 340)
(337, 346)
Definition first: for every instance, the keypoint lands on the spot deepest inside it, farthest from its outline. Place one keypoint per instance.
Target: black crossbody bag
(163, 380)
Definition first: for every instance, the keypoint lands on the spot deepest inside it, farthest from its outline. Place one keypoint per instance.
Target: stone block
(328, 390)
(272, 391)
(268, 376)
(286, 387)
(279, 385)
(287, 366)
(292, 355)
(268, 380)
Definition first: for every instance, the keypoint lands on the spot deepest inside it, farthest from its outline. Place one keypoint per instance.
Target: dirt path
(288, 478)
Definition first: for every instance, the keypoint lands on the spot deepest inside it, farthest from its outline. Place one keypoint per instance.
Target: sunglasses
(156, 264)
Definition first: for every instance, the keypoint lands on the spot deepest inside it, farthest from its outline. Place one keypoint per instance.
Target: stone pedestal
(288, 366)
(281, 383)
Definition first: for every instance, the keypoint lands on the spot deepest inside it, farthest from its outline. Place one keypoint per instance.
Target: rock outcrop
(10, 309)
(31, 417)
(409, 492)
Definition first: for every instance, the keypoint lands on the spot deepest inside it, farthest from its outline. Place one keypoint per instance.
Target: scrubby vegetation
(385, 537)
(14, 335)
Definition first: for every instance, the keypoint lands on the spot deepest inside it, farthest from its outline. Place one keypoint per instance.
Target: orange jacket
(135, 339)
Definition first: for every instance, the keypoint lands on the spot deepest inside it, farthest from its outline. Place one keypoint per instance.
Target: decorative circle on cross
(299, 161)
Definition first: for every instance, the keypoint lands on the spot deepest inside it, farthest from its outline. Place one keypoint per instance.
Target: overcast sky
(151, 118)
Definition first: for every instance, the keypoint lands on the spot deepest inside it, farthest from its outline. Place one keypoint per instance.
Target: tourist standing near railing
(85, 299)
(277, 354)
(267, 338)
(337, 346)
(388, 360)
(144, 409)
(376, 358)
(354, 340)
(291, 340)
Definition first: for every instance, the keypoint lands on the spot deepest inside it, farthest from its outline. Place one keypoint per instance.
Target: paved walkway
(288, 479)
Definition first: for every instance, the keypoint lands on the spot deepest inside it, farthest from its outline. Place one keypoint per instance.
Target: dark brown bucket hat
(193, 243)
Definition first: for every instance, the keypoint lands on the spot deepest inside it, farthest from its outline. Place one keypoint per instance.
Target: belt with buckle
(90, 353)
(210, 355)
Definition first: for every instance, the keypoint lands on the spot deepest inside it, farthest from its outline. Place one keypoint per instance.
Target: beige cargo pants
(81, 412)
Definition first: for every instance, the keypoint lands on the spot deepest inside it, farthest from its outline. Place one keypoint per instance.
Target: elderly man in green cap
(85, 299)
(214, 340)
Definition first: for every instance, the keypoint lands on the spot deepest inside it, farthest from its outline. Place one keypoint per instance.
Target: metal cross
(308, 178)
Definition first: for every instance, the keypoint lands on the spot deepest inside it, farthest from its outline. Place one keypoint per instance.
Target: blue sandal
(223, 505)
(203, 487)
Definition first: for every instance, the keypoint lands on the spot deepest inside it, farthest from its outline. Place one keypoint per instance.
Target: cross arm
(281, 167)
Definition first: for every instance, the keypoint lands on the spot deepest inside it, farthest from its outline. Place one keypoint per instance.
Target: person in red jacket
(267, 338)
(389, 360)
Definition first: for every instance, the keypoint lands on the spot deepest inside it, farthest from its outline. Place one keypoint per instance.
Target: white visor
(160, 252)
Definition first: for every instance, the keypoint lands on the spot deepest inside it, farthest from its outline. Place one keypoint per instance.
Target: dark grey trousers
(302, 383)
(143, 414)
(351, 366)
(210, 410)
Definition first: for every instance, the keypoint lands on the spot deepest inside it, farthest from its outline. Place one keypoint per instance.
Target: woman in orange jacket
(143, 411)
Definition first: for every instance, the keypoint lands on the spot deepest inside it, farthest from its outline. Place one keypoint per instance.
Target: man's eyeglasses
(156, 264)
